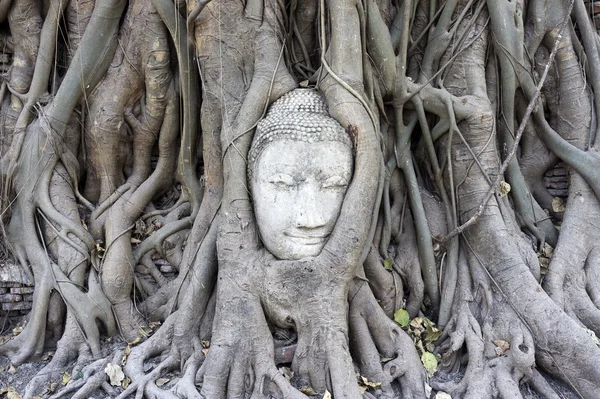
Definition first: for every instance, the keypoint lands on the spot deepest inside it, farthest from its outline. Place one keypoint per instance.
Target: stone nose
(310, 213)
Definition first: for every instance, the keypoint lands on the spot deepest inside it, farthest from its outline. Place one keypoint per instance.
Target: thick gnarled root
(375, 339)
(496, 366)
(236, 365)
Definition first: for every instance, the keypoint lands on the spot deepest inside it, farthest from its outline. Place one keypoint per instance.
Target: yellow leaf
(66, 377)
(365, 381)
(126, 382)
(558, 204)
(504, 188)
(13, 395)
(308, 390)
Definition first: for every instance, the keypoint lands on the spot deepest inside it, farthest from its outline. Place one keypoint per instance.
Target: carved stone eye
(282, 180)
(335, 181)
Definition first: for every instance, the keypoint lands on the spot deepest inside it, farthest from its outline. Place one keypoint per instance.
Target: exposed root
(384, 352)
(94, 377)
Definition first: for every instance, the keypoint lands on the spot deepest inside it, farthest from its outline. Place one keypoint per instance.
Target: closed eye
(335, 182)
(282, 180)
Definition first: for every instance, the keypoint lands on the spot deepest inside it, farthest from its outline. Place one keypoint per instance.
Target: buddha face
(298, 189)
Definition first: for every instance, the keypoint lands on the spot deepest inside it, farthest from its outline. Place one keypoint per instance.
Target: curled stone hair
(299, 115)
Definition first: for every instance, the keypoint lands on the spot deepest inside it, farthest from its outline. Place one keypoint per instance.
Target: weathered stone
(11, 313)
(16, 306)
(3, 290)
(8, 284)
(12, 273)
(28, 297)
(10, 298)
(22, 290)
(292, 147)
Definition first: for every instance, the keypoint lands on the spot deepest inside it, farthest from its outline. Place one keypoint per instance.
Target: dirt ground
(18, 377)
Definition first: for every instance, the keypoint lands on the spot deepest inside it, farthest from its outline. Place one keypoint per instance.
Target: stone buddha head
(299, 167)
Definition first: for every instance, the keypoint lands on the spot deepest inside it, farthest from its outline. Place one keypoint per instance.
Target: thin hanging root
(66, 225)
(64, 235)
(155, 240)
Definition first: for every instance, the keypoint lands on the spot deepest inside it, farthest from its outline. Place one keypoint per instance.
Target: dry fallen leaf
(13, 395)
(162, 381)
(126, 353)
(308, 390)
(327, 395)
(365, 381)
(66, 377)
(442, 395)
(558, 204)
(126, 382)
(504, 188)
(501, 347)
(12, 369)
(115, 374)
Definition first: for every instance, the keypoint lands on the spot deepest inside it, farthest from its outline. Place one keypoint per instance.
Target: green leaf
(388, 263)
(401, 317)
(78, 376)
(429, 362)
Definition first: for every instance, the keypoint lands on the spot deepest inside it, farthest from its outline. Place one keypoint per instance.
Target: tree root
(373, 337)
(491, 371)
(94, 377)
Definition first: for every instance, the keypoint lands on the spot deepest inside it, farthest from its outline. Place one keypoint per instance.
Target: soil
(18, 377)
